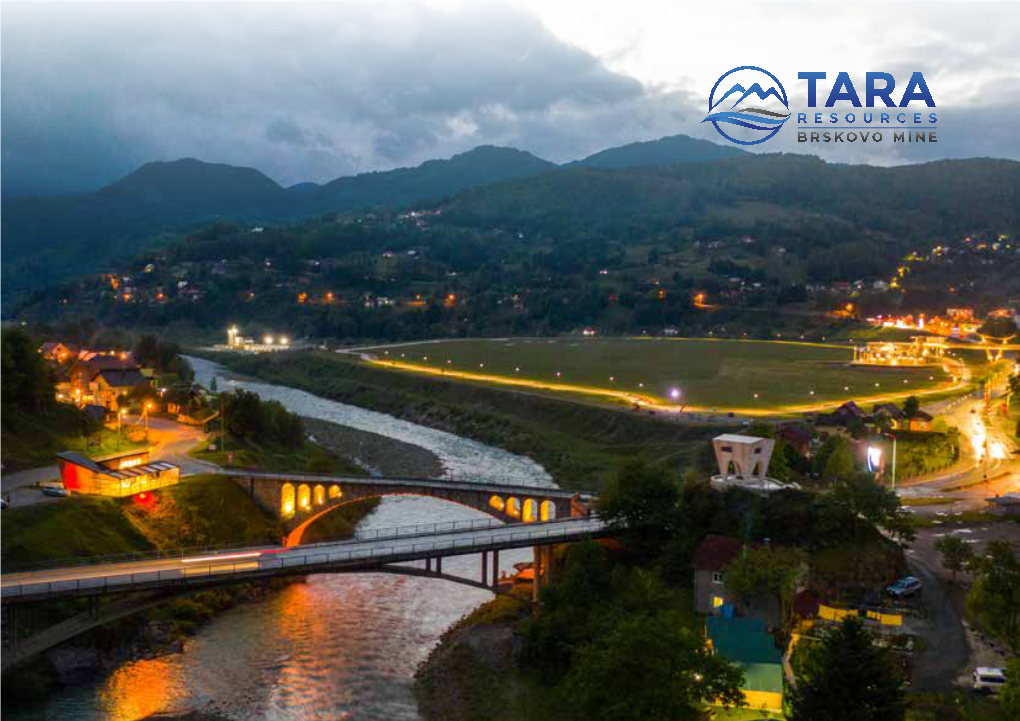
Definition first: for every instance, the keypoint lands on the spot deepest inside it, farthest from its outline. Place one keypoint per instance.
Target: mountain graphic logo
(759, 88)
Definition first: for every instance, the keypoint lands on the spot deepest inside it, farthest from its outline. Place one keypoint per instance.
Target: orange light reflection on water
(142, 688)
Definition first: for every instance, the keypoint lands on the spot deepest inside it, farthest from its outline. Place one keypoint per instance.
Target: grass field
(751, 377)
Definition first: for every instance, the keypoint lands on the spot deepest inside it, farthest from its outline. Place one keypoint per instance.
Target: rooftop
(736, 438)
(715, 553)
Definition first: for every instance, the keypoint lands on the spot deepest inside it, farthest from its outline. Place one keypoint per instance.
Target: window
(717, 601)
(716, 576)
(757, 450)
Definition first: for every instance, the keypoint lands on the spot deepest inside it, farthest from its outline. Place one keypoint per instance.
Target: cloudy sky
(315, 91)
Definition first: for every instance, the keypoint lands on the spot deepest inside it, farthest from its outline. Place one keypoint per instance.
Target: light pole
(148, 405)
(120, 415)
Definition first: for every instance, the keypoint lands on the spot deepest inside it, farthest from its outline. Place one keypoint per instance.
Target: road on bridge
(242, 564)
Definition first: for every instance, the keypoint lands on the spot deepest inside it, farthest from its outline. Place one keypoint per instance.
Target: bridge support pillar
(428, 564)
(485, 568)
(536, 570)
(439, 564)
(495, 569)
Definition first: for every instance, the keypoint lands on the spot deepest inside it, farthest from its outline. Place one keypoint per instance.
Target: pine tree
(847, 677)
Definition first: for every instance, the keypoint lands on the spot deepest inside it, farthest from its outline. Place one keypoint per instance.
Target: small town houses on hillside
(95, 378)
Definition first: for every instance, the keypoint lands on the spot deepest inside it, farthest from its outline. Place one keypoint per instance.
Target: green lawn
(723, 374)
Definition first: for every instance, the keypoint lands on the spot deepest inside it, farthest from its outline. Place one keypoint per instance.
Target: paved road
(170, 441)
(260, 562)
(946, 652)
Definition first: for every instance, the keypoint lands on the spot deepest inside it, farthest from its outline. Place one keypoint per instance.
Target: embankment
(378, 454)
(203, 510)
(580, 445)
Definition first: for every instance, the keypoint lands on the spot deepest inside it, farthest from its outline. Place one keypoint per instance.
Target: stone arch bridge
(301, 498)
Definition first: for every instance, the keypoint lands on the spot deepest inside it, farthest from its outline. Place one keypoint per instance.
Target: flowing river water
(334, 647)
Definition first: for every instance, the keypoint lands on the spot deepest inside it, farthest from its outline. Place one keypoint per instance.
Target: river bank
(471, 673)
(581, 446)
(204, 510)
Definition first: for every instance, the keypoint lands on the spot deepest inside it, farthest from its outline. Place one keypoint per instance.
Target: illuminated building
(121, 475)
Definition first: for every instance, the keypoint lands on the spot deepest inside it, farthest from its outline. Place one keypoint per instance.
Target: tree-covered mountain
(624, 251)
(676, 187)
(664, 151)
(774, 197)
(49, 239)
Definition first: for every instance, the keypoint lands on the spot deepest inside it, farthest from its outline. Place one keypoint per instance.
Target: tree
(649, 666)
(911, 406)
(1010, 697)
(955, 553)
(840, 463)
(874, 504)
(641, 504)
(847, 677)
(995, 596)
(767, 570)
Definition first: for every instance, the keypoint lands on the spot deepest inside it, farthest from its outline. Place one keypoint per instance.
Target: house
(1007, 504)
(111, 383)
(890, 410)
(56, 352)
(710, 561)
(711, 597)
(100, 378)
(796, 436)
(100, 414)
(745, 642)
(121, 475)
(920, 421)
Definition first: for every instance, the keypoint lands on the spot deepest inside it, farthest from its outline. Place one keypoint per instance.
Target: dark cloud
(312, 92)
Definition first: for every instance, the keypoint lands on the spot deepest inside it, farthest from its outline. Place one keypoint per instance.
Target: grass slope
(720, 374)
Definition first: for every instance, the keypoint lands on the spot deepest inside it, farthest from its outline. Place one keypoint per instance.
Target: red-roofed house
(710, 560)
(711, 596)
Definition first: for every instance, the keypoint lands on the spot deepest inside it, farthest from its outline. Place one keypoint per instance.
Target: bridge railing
(310, 560)
(154, 555)
(389, 532)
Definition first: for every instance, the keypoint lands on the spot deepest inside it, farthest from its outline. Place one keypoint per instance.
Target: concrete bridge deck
(411, 483)
(240, 565)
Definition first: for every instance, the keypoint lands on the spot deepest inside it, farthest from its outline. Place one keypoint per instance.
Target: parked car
(988, 679)
(906, 586)
(58, 491)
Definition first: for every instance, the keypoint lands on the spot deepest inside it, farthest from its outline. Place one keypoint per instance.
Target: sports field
(751, 377)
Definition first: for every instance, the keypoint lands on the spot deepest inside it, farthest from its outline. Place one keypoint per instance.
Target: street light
(148, 407)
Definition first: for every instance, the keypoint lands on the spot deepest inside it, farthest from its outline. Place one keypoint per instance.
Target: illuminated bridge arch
(299, 499)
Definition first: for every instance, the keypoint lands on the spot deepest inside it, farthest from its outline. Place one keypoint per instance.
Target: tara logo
(752, 100)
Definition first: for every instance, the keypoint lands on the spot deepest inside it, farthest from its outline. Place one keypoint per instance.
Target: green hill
(664, 151)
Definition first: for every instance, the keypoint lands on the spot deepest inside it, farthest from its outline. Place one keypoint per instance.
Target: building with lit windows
(122, 475)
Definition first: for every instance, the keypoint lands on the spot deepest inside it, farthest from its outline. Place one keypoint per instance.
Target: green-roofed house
(745, 642)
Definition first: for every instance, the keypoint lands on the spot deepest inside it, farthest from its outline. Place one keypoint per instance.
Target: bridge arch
(335, 492)
(320, 494)
(529, 511)
(304, 497)
(497, 503)
(287, 500)
(513, 507)
(547, 511)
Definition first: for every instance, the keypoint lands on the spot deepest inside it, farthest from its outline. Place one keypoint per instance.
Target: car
(4, 503)
(56, 491)
(906, 586)
(989, 679)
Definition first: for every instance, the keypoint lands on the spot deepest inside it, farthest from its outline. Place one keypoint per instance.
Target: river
(334, 647)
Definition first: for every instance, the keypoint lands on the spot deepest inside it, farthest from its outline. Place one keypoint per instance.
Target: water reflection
(334, 647)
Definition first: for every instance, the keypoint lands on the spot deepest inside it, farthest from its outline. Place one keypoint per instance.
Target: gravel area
(379, 455)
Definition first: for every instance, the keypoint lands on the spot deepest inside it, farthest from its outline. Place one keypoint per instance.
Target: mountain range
(48, 239)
